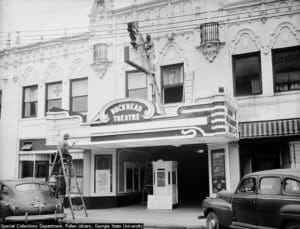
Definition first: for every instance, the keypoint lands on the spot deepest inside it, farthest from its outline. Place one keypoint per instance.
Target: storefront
(269, 145)
(127, 135)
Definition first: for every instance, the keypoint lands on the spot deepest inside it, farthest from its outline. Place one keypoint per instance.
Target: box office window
(53, 95)
(79, 95)
(286, 69)
(247, 74)
(103, 174)
(136, 85)
(218, 170)
(30, 101)
(172, 83)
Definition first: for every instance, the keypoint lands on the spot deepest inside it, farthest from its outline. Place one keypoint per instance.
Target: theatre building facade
(221, 99)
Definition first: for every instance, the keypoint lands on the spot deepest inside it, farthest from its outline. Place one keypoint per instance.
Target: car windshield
(31, 187)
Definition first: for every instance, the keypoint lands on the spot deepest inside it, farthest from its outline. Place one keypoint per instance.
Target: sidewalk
(182, 217)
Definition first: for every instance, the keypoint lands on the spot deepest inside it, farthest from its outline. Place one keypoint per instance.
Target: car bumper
(31, 218)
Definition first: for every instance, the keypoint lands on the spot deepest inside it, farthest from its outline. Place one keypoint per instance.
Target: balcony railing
(100, 53)
(209, 32)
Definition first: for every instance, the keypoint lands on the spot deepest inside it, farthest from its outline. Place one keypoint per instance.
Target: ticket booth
(165, 185)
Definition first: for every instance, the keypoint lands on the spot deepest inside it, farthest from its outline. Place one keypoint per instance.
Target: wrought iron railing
(209, 32)
(100, 53)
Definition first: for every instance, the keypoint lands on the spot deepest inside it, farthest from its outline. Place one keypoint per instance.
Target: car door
(243, 203)
(268, 195)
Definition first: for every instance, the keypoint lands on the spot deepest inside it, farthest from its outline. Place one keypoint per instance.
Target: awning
(43, 155)
(274, 128)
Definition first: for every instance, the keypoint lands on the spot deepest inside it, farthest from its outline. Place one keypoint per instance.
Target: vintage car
(265, 199)
(28, 200)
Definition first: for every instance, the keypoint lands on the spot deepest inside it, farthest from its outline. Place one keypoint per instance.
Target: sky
(34, 18)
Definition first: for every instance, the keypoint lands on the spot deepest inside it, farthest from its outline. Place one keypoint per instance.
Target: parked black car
(265, 199)
(27, 200)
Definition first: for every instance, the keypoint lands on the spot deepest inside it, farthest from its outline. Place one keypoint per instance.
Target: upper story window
(247, 74)
(30, 101)
(172, 83)
(53, 95)
(0, 103)
(209, 32)
(136, 85)
(286, 68)
(79, 95)
(100, 52)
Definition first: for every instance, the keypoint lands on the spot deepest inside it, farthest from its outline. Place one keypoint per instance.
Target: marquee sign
(127, 110)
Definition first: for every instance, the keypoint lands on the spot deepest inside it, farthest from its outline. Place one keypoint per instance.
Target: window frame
(278, 50)
(127, 73)
(111, 187)
(236, 56)
(71, 97)
(271, 176)
(247, 193)
(284, 184)
(174, 85)
(46, 94)
(23, 101)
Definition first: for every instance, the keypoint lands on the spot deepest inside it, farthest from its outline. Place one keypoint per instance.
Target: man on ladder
(64, 145)
(66, 169)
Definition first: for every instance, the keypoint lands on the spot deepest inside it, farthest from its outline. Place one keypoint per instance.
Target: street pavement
(178, 218)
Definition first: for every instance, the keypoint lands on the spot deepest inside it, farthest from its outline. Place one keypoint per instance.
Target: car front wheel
(292, 225)
(212, 221)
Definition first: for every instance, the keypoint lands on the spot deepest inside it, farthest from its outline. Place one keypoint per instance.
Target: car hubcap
(212, 224)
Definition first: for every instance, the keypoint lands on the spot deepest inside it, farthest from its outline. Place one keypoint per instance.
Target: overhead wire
(122, 31)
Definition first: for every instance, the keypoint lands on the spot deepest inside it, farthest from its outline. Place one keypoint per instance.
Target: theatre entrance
(193, 178)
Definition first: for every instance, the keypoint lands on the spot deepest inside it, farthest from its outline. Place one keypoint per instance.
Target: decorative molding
(211, 49)
(30, 77)
(78, 69)
(255, 38)
(172, 53)
(284, 25)
(101, 67)
(52, 73)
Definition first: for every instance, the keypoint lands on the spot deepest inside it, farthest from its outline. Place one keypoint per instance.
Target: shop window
(270, 185)
(0, 103)
(247, 74)
(136, 85)
(286, 68)
(172, 83)
(79, 95)
(26, 169)
(30, 101)
(35, 169)
(53, 96)
(78, 167)
(218, 170)
(103, 174)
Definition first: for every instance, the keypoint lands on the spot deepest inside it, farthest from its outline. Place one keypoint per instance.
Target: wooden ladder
(68, 173)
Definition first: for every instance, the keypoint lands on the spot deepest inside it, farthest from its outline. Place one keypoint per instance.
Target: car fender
(290, 212)
(222, 209)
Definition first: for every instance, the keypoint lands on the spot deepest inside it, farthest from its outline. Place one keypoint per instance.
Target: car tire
(212, 221)
(292, 225)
